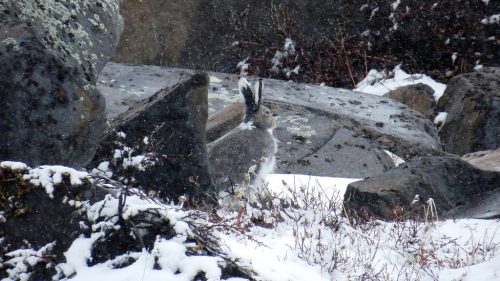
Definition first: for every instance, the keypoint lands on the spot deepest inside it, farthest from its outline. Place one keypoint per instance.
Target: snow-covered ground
(294, 229)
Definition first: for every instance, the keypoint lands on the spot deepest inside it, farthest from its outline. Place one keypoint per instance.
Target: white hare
(247, 152)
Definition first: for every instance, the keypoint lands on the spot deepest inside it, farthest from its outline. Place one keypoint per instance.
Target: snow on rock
(102, 170)
(381, 82)
(440, 119)
(14, 166)
(20, 260)
(397, 160)
(49, 176)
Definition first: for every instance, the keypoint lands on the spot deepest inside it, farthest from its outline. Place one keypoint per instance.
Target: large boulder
(50, 55)
(419, 97)
(472, 101)
(457, 189)
(159, 143)
(321, 130)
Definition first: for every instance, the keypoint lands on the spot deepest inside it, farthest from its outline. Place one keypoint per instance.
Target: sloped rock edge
(453, 184)
(168, 127)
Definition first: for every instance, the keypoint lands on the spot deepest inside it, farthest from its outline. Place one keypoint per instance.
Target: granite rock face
(472, 101)
(159, 143)
(321, 130)
(419, 97)
(457, 188)
(51, 53)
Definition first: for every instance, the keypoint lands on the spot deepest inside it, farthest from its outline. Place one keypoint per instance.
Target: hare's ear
(259, 85)
(246, 91)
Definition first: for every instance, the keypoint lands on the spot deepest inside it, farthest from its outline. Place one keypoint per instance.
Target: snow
(310, 239)
(440, 118)
(136, 162)
(14, 166)
(493, 19)
(287, 52)
(243, 67)
(379, 82)
(396, 159)
(454, 57)
(21, 259)
(330, 186)
(374, 12)
(49, 176)
(395, 5)
(214, 79)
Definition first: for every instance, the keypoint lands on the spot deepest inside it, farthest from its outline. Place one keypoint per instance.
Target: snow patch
(214, 79)
(440, 119)
(13, 166)
(49, 176)
(381, 82)
(396, 159)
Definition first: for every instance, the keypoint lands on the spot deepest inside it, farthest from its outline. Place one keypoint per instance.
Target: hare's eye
(267, 112)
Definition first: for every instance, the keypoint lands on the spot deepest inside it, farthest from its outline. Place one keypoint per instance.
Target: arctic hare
(245, 153)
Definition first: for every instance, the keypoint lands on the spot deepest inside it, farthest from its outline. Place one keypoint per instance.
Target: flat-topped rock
(322, 130)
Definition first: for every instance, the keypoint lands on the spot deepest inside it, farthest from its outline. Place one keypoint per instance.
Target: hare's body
(246, 152)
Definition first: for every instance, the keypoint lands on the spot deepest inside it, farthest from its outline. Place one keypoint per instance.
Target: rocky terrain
(103, 165)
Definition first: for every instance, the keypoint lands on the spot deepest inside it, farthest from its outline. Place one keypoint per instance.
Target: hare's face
(263, 118)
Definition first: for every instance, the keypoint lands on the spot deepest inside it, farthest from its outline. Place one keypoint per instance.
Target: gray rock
(168, 129)
(50, 55)
(322, 130)
(488, 160)
(472, 101)
(457, 188)
(419, 97)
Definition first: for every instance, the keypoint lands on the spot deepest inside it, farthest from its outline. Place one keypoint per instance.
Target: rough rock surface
(321, 129)
(472, 101)
(419, 97)
(457, 188)
(50, 55)
(488, 160)
(216, 35)
(161, 141)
